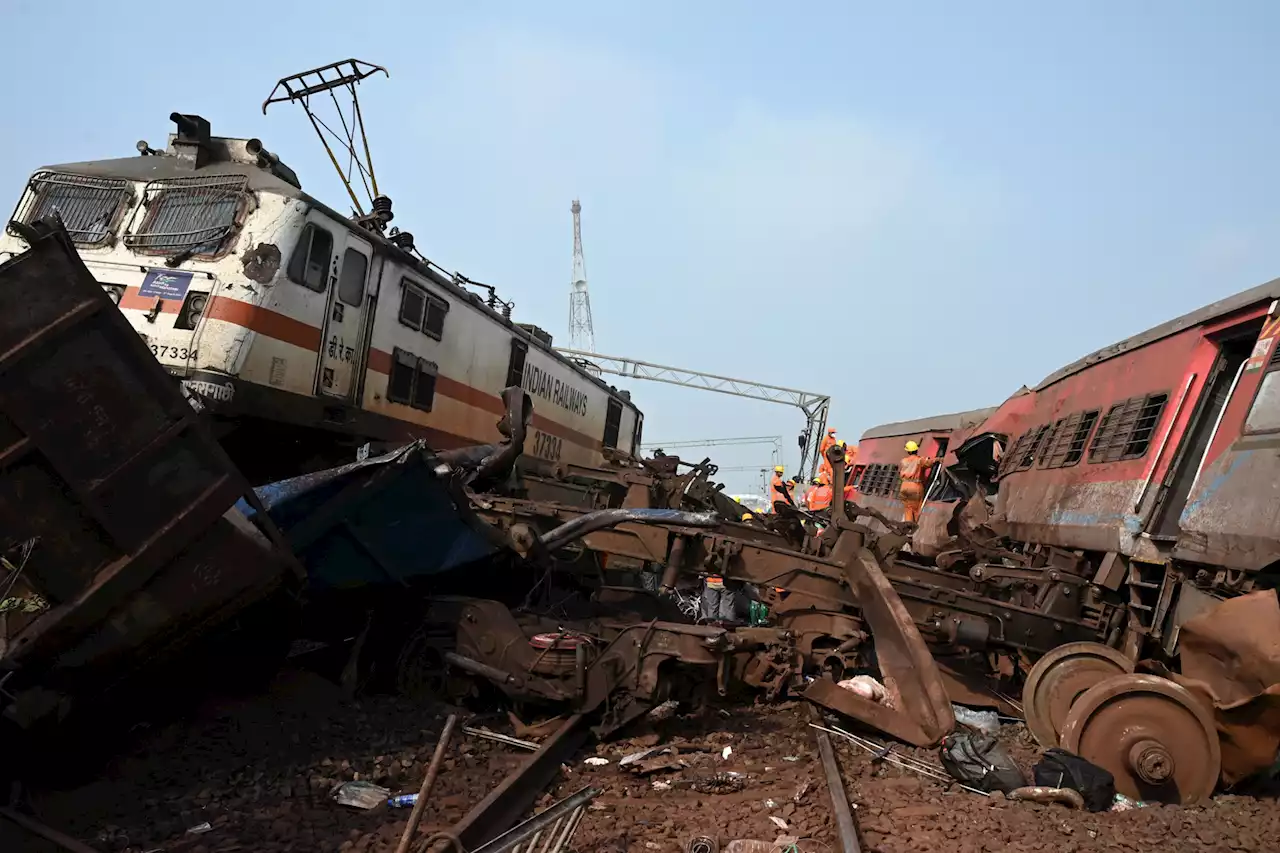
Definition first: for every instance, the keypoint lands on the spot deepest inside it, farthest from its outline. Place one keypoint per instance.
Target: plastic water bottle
(403, 801)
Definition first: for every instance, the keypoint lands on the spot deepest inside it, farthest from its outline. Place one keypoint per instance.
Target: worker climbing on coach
(912, 469)
(776, 493)
(819, 497)
(824, 467)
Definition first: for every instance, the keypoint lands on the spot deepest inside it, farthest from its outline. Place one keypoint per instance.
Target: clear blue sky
(915, 211)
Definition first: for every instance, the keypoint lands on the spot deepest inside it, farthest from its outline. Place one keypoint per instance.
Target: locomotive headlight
(196, 306)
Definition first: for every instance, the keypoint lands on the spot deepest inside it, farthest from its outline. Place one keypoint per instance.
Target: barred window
(1032, 448)
(188, 215)
(90, 208)
(880, 480)
(412, 380)
(1066, 446)
(1126, 429)
(1013, 455)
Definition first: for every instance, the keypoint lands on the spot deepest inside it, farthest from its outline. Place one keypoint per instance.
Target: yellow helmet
(821, 479)
(746, 516)
(778, 469)
(840, 443)
(912, 447)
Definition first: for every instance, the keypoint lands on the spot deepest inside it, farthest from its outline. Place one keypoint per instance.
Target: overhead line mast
(582, 335)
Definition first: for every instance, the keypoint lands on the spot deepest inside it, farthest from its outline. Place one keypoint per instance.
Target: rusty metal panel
(106, 467)
(1233, 513)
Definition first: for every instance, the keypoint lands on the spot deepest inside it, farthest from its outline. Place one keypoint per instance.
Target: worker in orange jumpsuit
(775, 487)
(819, 497)
(824, 467)
(912, 469)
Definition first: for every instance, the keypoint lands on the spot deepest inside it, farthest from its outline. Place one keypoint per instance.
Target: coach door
(342, 349)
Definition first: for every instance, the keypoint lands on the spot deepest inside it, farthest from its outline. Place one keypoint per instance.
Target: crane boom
(814, 405)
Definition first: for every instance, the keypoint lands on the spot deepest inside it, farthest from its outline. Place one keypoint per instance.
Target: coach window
(309, 265)
(433, 324)
(351, 278)
(1126, 430)
(1066, 445)
(1264, 414)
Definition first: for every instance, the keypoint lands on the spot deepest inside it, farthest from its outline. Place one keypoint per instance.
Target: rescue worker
(775, 487)
(718, 602)
(819, 497)
(912, 469)
(824, 467)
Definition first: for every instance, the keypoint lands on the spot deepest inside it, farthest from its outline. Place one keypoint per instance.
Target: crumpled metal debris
(1230, 659)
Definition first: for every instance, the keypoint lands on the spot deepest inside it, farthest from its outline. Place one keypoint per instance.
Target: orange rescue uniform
(818, 498)
(912, 469)
(776, 494)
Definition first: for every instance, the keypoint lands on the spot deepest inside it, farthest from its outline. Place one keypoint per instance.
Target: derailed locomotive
(302, 332)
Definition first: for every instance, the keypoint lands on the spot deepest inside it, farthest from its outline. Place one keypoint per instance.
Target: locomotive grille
(89, 208)
(194, 214)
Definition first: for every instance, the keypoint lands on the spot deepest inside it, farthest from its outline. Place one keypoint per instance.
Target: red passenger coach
(1154, 447)
(875, 476)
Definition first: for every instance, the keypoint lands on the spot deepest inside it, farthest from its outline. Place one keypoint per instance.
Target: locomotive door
(342, 350)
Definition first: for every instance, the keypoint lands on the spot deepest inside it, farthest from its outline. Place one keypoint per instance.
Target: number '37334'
(181, 353)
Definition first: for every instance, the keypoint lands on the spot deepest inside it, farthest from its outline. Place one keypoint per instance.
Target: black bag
(1058, 768)
(979, 761)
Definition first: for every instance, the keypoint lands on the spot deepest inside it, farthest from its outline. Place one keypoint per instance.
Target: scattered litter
(987, 722)
(652, 760)
(200, 828)
(403, 801)
(778, 822)
(790, 758)
(1061, 769)
(1124, 804)
(596, 761)
(665, 711)
(1040, 794)
(500, 738)
(720, 783)
(361, 795)
(726, 752)
(703, 844)
(653, 845)
(659, 785)
(770, 804)
(801, 791)
(881, 752)
(866, 687)
(980, 761)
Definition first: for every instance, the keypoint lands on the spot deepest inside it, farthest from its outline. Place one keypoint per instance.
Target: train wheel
(1061, 677)
(1154, 736)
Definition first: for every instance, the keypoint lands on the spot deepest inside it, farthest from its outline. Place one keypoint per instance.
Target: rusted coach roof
(936, 423)
(1223, 307)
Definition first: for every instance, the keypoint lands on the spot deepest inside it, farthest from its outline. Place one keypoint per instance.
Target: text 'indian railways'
(547, 387)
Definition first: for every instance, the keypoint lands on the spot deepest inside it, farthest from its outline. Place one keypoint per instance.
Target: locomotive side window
(351, 278)
(1264, 414)
(612, 423)
(1126, 429)
(412, 381)
(515, 366)
(422, 311)
(309, 265)
(424, 384)
(433, 325)
(403, 367)
(413, 302)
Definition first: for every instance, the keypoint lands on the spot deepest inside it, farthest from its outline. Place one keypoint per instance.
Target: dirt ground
(260, 771)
